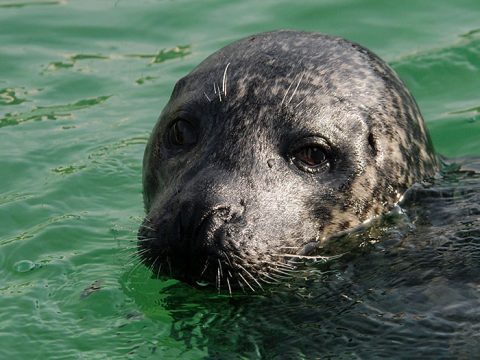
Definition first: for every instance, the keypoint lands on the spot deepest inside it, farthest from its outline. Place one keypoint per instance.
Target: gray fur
(233, 208)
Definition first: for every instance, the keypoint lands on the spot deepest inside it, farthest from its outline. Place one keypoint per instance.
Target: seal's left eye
(310, 158)
(181, 133)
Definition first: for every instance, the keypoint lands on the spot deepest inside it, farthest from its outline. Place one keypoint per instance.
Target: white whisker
(246, 282)
(286, 93)
(311, 257)
(205, 267)
(147, 227)
(220, 267)
(300, 102)
(215, 88)
(264, 274)
(280, 272)
(253, 278)
(229, 287)
(296, 88)
(224, 82)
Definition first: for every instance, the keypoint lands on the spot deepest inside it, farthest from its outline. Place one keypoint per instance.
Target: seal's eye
(181, 133)
(311, 158)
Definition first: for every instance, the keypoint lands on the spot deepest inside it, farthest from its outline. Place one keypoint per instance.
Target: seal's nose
(201, 229)
(198, 221)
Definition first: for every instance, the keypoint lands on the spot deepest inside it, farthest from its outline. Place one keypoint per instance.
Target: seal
(269, 147)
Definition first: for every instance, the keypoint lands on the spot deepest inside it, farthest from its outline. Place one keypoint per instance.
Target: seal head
(270, 145)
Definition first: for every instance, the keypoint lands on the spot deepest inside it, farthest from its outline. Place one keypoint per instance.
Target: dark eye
(311, 158)
(181, 133)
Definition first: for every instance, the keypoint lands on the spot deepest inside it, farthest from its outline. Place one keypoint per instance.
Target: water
(81, 84)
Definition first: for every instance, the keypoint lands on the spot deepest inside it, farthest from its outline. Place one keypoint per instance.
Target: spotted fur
(234, 208)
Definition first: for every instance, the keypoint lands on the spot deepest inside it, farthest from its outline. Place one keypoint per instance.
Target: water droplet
(24, 266)
(202, 283)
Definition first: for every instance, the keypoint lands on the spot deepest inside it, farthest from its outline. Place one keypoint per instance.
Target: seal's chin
(173, 256)
(198, 256)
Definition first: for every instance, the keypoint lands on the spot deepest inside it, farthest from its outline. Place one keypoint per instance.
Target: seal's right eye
(312, 154)
(311, 158)
(181, 133)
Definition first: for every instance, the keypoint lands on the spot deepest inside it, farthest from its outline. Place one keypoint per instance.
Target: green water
(81, 85)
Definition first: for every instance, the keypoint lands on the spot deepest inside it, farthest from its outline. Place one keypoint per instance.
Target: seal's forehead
(269, 64)
(284, 46)
(284, 53)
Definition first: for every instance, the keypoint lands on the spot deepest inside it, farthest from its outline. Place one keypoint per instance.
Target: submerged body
(269, 147)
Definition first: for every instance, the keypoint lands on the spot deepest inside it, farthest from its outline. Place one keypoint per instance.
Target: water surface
(81, 84)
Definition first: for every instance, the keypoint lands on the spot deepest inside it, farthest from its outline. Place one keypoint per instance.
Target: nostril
(231, 213)
(222, 213)
(199, 223)
(216, 218)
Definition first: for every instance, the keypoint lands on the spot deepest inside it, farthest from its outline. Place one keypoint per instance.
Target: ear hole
(372, 144)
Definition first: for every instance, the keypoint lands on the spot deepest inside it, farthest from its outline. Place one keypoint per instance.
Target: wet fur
(232, 210)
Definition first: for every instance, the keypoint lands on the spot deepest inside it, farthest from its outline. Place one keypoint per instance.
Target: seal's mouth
(220, 249)
(212, 258)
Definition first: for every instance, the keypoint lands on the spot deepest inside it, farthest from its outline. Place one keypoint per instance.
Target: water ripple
(11, 96)
(161, 56)
(52, 112)
(20, 4)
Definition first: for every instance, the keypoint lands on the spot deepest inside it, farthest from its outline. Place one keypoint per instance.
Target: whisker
(140, 250)
(246, 282)
(248, 273)
(132, 260)
(264, 274)
(282, 265)
(146, 227)
(129, 251)
(224, 82)
(295, 91)
(229, 287)
(220, 266)
(286, 93)
(294, 263)
(241, 286)
(147, 218)
(152, 266)
(228, 259)
(284, 273)
(135, 267)
(215, 87)
(209, 100)
(144, 239)
(159, 269)
(311, 257)
(204, 267)
(268, 282)
(238, 257)
(300, 102)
